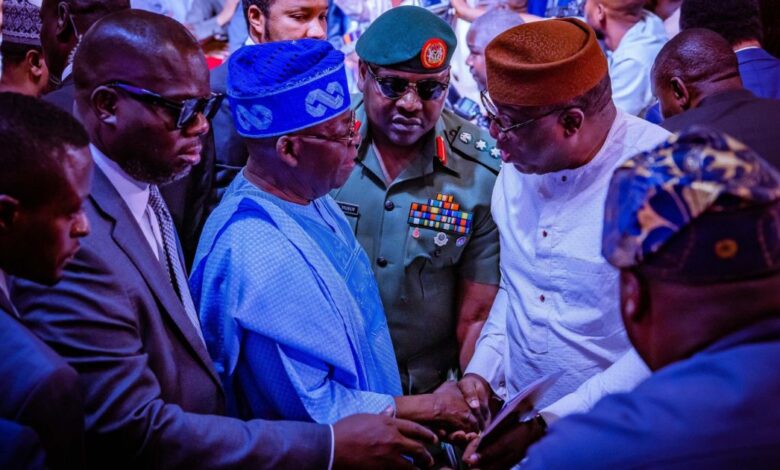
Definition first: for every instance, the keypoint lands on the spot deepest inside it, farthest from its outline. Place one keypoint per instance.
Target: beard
(152, 174)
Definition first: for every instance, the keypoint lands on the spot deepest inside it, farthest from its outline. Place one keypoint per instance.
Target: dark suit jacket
(753, 121)
(190, 199)
(153, 398)
(232, 153)
(39, 390)
(760, 72)
(63, 96)
(19, 447)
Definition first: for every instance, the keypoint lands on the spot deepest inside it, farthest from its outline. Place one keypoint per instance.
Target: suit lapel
(130, 239)
(7, 306)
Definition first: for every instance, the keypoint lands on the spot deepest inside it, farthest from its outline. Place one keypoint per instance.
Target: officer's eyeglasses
(187, 109)
(396, 87)
(348, 139)
(502, 122)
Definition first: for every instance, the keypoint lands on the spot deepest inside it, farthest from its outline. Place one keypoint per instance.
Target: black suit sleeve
(19, 447)
(60, 425)
(91, 319)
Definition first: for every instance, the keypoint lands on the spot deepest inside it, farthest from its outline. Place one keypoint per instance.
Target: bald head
(137, 47)
(483, 30)
(134, 71)
(695, 64)
(623, 8)
(494, 22)
(697, 56)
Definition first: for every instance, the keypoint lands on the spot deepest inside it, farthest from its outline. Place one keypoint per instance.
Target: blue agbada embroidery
(290, 311)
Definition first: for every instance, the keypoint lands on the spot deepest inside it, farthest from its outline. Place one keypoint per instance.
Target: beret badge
(433, 53)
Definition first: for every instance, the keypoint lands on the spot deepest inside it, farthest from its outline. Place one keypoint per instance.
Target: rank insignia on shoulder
(481, 145)
(466, 137)
(495, 152)
(441, 214)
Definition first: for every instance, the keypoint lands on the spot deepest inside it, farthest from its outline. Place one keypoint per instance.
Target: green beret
(408, 38)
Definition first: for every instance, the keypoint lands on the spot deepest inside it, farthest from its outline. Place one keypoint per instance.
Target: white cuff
(332, 447)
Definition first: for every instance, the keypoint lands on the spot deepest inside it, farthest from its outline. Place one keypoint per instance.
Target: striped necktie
(170, 256)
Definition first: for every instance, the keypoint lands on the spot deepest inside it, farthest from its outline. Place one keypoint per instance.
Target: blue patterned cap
(701, 207)
(282, 87)
(22, 22)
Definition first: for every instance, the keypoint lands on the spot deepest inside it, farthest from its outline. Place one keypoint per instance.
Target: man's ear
(680, 92)
(64, 23)
(9, 209)
(601, 13)
(362, 71)
(36, 63)
(288, 150)
(257, 21)
(572, 120)
(104, 104)
(634, 303)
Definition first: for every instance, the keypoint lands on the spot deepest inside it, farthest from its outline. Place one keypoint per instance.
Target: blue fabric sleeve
(273, 329)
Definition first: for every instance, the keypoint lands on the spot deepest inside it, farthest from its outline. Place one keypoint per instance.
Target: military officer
(419, 197)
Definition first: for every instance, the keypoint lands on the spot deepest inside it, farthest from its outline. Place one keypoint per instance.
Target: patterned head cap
(699, 208)
(281, 87)
(21, 22)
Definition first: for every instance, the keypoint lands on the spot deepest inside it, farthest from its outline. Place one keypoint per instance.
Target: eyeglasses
(396, 87)
(348, 140)
(187, 109)
(505, 127)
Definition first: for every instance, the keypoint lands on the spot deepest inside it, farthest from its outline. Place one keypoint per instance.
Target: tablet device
(518, 407)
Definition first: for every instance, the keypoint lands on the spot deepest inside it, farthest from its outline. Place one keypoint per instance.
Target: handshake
(456, 412)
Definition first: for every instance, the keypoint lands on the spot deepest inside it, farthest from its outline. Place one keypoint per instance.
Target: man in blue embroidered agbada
(290, 309)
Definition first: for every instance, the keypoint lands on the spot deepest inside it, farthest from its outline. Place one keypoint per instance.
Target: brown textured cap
(544, 63)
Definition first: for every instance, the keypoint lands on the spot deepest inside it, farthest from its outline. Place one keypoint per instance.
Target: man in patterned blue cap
(419, 197)
(289, 307)
(694, 226)
(23, 68)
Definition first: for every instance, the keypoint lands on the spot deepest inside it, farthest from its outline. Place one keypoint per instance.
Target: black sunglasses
(396, 87)
(187, 109)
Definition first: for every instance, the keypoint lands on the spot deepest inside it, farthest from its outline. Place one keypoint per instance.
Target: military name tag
(441, 214)
(350, 210)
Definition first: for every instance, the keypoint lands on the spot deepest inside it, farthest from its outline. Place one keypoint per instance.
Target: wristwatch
(537, 421)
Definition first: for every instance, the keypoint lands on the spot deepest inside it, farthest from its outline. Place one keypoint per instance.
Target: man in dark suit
(63, 24)
(268, 20)
(124, 316)
(697, 81)
(40, 147)
(739, 21)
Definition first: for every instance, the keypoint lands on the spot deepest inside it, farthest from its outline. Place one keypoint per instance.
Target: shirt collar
(580, 176)
(249, 41)
(67, 72)
(4, 285)
(747, 48)
(135, 193)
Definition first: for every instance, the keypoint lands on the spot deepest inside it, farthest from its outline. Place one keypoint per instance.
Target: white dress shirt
(135, 194)
(4, 285)
(557, 307)
(67, 71)
(630, 64)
